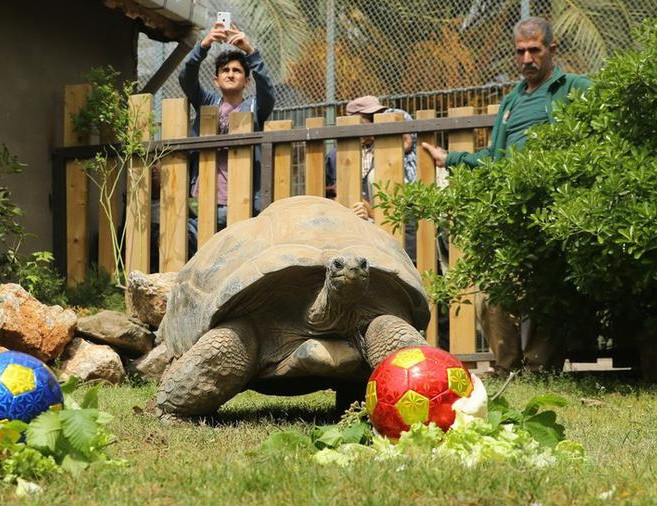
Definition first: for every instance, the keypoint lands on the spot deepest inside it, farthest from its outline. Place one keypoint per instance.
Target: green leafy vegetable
(68, 440)
(529, 436)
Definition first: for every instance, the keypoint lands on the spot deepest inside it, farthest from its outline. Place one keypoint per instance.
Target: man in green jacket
(531, 102)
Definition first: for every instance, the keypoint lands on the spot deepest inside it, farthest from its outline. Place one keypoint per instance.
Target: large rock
(151, 365)
(90, 361)
(31, 327)
(147, 294)
(118, 330)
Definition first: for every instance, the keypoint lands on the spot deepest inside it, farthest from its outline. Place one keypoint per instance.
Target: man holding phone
(234, 69)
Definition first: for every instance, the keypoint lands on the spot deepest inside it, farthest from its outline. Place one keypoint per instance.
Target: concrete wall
(45, 45)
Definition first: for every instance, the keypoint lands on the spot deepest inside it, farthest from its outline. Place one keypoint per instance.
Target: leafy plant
(38, 276)
(10, 228)
(68, 440)
(564, 230)
(96, 291)
(11, 231)
(110, 113)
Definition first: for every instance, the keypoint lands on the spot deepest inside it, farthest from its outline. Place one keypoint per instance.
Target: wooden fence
(276, 171)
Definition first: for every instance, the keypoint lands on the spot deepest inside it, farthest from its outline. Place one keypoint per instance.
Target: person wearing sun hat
(366, 107)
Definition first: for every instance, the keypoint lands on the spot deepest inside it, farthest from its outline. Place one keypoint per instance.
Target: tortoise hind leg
(388, 333)
(212, 371)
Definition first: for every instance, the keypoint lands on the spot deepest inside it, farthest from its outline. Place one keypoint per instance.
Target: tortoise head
(347, 277)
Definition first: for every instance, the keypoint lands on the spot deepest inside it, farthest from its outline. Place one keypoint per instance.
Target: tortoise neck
(333, 310)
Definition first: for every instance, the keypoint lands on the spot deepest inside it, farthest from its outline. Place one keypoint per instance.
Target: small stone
(31, 327)
(89, 361)
(151, 365)
(147, 295)
(118, 330)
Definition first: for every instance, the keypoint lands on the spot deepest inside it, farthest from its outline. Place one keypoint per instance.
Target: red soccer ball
(417, 384)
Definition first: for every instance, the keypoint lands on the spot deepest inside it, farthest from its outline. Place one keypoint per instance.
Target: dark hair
(232, 55)
(529, 27)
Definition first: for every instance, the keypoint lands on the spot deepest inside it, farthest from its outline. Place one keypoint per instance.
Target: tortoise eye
(338, 264)
(363, 264)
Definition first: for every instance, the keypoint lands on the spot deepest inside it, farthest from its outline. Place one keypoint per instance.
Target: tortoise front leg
(388, 333)
(213, 370)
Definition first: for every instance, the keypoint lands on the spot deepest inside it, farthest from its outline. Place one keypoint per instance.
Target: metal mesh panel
(406, 51)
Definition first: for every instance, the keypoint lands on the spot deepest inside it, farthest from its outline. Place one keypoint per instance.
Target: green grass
(220, 462)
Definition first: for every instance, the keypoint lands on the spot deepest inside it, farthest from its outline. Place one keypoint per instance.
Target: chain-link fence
(325, 52)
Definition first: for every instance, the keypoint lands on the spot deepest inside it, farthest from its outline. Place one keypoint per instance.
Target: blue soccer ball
(27, 387)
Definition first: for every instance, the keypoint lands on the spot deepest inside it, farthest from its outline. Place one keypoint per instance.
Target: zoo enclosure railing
(279, 141)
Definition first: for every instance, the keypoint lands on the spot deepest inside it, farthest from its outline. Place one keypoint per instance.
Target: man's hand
(218, 33)
(438, 154)
(239, 39)
(363, 210)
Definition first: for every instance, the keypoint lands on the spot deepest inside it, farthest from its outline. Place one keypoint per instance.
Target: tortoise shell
(281, 255)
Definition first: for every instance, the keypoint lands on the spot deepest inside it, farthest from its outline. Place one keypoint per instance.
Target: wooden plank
(315, 176)
(388, 167)
(282, 160)
(207, 177)
(348, 165)
(427, 258)
(174, 189)
(77, 190)
(240, 171)
(139, 188)
(77, 222)
(462, 329)
(491, 109)
(302, 135)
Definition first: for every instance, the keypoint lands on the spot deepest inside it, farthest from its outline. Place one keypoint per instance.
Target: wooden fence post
(462, 329)
(491, 109)
(138, 216)
(174, 189)
(207, 177)
(77, 190)
(427, 259)
(282, 160)
(388, 167)
(315, 176)
(348, 165)
(240, 171)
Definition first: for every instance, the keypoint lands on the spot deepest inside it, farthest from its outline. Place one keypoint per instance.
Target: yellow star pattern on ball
(413, 407)
(458, 381)
(18, 379)
(370, 397)
(408, 358)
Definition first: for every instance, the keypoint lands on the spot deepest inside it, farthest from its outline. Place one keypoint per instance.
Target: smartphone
(224, 19)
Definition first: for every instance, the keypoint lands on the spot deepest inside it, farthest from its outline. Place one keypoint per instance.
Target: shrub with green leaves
(96, 292)
(564, 230)
(68, 440)
(11, 231)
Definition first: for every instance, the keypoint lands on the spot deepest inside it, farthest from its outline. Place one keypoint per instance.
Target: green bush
(564, 230)
(96, 292)
(34, 273)
(38, 276)
(11, 231)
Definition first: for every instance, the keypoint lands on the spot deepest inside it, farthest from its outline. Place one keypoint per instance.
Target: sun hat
(365, 105)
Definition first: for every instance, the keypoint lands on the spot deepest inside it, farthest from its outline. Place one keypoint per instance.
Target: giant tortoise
(303, 297)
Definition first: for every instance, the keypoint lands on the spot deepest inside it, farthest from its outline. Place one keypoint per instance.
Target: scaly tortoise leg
(211, 372)
(388, 333)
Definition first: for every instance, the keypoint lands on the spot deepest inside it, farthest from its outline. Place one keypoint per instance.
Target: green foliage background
(564, 230)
